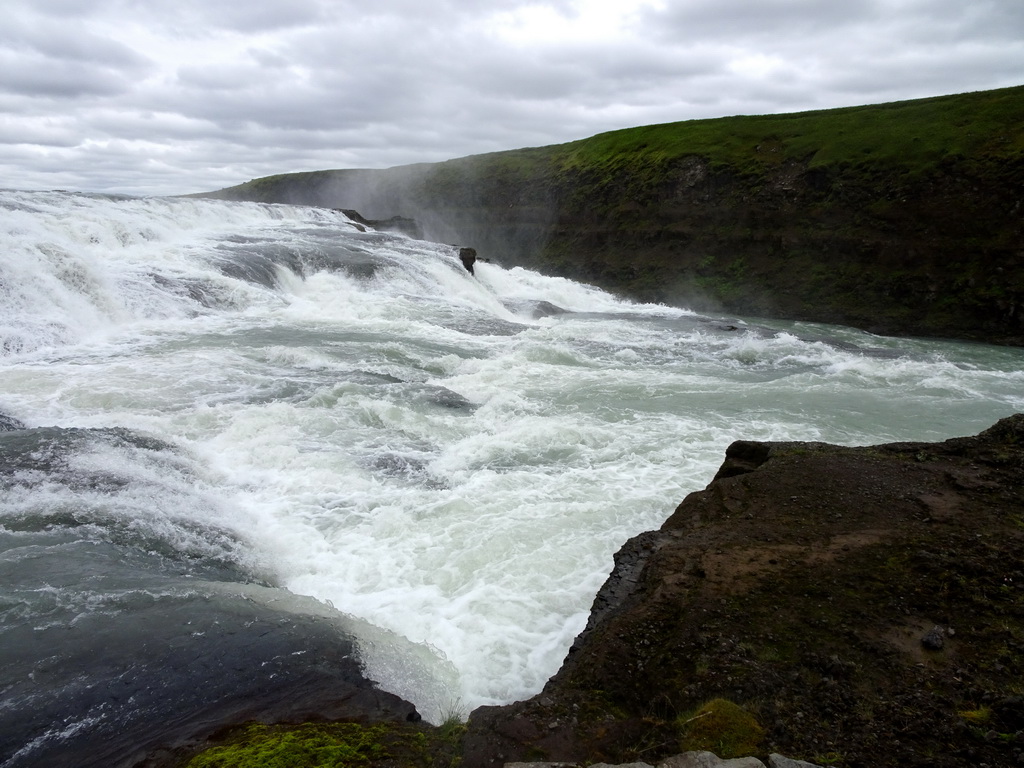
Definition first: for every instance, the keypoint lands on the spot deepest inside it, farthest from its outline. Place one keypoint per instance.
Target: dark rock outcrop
(468, 258)
(9, 423)
(800, 583)
(402, 224)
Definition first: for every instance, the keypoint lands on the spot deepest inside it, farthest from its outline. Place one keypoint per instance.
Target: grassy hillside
(912, 135)
(902, 217)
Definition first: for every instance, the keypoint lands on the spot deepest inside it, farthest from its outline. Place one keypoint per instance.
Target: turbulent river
(243, 444)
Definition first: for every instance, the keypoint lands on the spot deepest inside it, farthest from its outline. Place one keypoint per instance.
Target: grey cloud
(696, 20)
(284, 104)
(148, 126)
(43, 58)
(237, 76)
(268, 59)
(513, 76)
(925, 71)
(201, 17)
(260, 16)
(33, 75)
(988, 20)
(625, 71)
(56, 40)
(604, 72)
(77, 9)
(439, 14)
(38, 133)
(340, 83)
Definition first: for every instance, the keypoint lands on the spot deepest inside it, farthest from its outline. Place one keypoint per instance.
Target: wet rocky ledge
(866, 605)
(860, 606)
(701, 759)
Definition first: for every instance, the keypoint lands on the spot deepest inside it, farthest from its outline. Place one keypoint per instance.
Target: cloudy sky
(174, 96)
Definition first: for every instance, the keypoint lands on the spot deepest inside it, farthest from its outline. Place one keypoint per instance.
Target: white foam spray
(404, 441)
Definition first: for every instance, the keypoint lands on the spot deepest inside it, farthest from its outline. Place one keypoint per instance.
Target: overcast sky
(174, 96)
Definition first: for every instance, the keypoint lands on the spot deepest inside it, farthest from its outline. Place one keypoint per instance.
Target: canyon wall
(904, 218)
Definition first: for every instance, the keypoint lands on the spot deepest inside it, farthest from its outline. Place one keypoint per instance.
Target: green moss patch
(334, 745)
(979, 716)
(330, 745)
(722, 727)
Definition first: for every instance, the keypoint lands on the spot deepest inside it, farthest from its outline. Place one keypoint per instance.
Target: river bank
(864, 605)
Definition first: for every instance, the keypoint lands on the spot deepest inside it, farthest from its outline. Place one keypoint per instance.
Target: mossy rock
(722, 727)
(313, 745)
(338, 744)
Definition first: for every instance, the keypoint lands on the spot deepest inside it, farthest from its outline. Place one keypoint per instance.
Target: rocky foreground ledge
(702, 759)
(840, 606)
(865, 605)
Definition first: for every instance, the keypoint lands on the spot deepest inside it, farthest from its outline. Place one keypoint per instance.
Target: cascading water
(237, 437)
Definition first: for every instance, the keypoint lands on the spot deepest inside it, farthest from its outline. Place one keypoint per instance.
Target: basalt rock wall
(905, 218)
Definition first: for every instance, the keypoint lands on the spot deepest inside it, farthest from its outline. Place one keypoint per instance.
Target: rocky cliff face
(901, 219)
(866, 604)
(936, 255)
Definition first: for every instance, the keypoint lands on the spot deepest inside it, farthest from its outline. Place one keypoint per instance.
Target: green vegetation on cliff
(901, 218)
(327, 745)
(722, 727)
(913, 136)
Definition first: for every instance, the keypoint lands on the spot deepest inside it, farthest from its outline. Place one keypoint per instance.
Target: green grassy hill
(913, 135)
(901, 218)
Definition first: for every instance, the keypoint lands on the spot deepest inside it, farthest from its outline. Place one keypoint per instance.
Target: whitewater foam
(353, 417)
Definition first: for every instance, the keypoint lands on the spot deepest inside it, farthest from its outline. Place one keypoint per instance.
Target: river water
(222, 417)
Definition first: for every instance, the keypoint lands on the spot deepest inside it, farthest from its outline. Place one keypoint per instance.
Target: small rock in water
(9, 423)
(468, 258)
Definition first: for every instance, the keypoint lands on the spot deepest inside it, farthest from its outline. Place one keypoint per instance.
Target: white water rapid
(264, 401)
